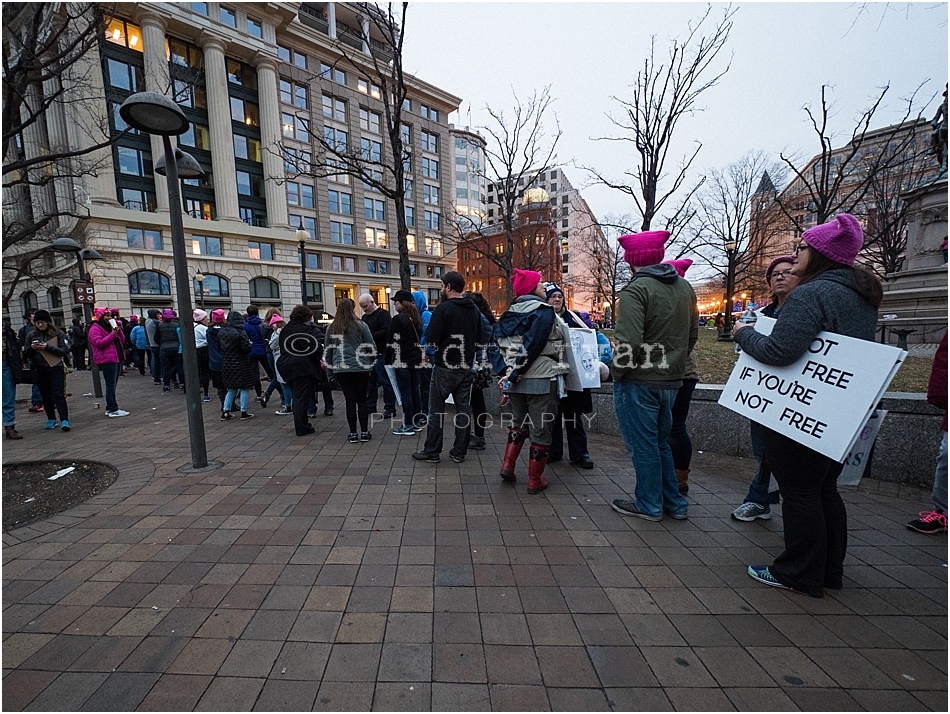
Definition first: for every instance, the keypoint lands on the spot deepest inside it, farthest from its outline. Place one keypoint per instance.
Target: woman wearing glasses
(757, 502)
(834, 296)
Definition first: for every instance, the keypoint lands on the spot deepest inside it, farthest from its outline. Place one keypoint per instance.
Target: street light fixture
(725, 334)
(68, 245)
(200, 278)
(154, 113)
(302, 237)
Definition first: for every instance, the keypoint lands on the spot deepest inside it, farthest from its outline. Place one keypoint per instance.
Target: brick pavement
(312, 574)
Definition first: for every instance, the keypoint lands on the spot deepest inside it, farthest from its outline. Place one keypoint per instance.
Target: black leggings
(204, 376)
(51, 382)
(260, 360)
(353, 385)
(479, 413)
(679, 441)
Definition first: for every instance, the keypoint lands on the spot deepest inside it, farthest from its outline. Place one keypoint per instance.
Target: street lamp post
(68, 245)
(154, 113)
(200, 278)
(302, 237)
(726, 334)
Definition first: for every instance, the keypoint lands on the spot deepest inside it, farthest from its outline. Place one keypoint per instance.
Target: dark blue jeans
(172, 367)
(409, 380)
(156, 364)
(110, 377)
(759, 488)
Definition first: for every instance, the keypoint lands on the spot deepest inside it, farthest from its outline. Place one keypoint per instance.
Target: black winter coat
(237, 372)
(297, 338)
(166, 335)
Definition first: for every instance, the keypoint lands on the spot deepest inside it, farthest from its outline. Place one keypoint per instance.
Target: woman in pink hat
(107, 340)
(832, 296)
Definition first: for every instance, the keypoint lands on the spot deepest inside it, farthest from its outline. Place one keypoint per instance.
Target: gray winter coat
(829, 303)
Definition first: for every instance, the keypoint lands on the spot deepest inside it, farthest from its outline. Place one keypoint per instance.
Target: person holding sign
(657, 327)
(758, 501)
(832, 296)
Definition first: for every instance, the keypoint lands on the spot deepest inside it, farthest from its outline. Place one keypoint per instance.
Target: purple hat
(168, 314)
(840, 239)
(585, 318)
(640, 249)
(780, 259)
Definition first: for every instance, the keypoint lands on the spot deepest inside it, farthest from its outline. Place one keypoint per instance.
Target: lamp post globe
(154, 113)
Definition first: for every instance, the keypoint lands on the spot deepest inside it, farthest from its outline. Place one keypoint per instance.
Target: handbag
(483, 378)
(26, 376)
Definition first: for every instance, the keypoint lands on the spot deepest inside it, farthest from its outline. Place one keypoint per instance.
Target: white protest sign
(857, 459)
(586, 358)
(823, 399)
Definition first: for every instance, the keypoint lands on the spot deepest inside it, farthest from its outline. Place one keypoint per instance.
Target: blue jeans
(410, 383)
(288, 394)
(35, 397)
(378, 378)
(156, 363)
(110, 375)
(759, 488)
(9, 405)
(940, 475)
(172, 368)
(645, 415)
(229, 399)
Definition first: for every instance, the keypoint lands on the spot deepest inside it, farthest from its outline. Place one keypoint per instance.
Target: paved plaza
(313, 574)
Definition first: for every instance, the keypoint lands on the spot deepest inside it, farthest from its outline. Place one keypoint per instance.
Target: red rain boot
(537, 460)
(516, 439)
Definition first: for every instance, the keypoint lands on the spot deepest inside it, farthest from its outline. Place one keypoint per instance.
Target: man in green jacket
(657, 326)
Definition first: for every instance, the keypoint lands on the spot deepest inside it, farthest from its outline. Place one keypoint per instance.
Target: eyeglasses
(783, 274)
(800, 247)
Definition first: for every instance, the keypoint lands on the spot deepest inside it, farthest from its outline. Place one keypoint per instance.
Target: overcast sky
(782, 53)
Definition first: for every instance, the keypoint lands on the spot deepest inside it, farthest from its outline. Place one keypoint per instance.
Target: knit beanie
(551, 288)
(42, 315)
(168, 314)
(217, 317)
(198, 315)
(680, 266)
(525, 281)
(780, 259)
(840, 239)
(97, 313)
(640, 249)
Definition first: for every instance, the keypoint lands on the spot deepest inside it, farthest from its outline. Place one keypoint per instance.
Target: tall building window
(260, 251)
(143, 239)
(410, 216)
(369, 121)
(244, 112)
(328, 72)
(254, 28)
(428, 112)
(430, 142)
(335, 139)
(339, 202)
(371, 150)
(313, 261)
(341, 233)
(373, 209)
(314, 292)
(376, 238)
(368, 88)
(430, 168)
(334, 108)
(205, 245)
(430, 194)
(431, 220)
(228, 17)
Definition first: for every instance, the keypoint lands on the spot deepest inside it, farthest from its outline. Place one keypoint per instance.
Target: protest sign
(856, 461)
(391, 373)
(823, 399)
(585, 372)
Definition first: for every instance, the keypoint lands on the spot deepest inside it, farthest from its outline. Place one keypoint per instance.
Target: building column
(219, 117)
(87, 124)
(35, 145)
(157, 79)
(364, 25)
(271, 136)
(331, 19)
(59, 143)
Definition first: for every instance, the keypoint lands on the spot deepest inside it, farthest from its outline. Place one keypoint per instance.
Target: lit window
(287, 123)
(260, 251)
(205, 245)
(286, 91)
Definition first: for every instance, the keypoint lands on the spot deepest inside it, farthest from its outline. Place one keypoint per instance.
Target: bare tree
(602, 270)
(734, 226)
(886, 211)
(519, 150)
(664, 93)
(840, 180)
(383, 168)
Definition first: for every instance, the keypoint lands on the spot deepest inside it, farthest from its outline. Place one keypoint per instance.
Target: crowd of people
(422, 360)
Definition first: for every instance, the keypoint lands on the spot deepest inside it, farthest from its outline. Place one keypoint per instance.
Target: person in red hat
(657, 328)
(530, 360)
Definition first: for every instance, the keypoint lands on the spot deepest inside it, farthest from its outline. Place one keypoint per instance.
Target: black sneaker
(245, 415)
(389, 415)
(629, 508)
(423, 456)
(456, 458)
(264, 398)
(365, 436)
(353, 438)
(477, 443)
(583, 462)
(327, 412)
(929, 522)
(226, 415)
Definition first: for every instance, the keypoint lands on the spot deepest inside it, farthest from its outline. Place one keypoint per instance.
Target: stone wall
(905, 451)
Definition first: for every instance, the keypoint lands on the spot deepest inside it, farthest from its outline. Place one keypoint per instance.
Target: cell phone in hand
(114, 324)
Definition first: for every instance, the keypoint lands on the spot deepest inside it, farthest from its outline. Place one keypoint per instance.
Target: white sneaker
(117, 413)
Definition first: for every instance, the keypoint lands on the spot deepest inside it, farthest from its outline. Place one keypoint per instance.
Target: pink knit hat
(642, 249)
(840, 239)
(275, 319)
(525, 281)
(780, 259)
(99, 312)
(217, 317)
(198, 315)
(680, 266)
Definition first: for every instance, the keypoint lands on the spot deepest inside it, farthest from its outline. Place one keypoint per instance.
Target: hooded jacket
(657, 326)
(151, 325)
(237, 372)
(829, 303)
(454, 332)
(106, 344)
(531, 340)
(252, 326)
(420, 299)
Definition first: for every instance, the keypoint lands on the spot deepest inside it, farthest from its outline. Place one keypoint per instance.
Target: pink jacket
(103, 343)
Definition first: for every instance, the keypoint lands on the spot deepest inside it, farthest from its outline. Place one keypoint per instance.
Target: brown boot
(12, 433)
(516, 439)
(682, 478)
(537, 460)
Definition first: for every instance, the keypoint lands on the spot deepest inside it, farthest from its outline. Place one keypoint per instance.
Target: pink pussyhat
(217, 317)
(275, 319)
(641, 249)
(525, 281)
(681, 265)
(840, 239)
(100, 311)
